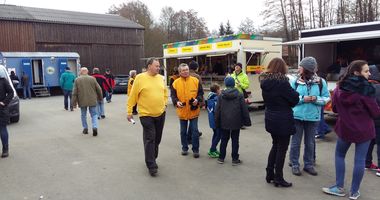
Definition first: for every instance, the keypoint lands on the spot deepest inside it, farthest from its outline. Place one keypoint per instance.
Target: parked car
(121, 84)
(14, 105)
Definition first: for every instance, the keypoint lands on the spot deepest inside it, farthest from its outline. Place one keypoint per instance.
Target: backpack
(320, 85)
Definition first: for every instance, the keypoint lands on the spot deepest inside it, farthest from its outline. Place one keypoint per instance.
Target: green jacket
(241, 78)
(67, 80)
(87, 91)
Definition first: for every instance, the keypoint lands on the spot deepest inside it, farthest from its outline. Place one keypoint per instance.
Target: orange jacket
(183, 90)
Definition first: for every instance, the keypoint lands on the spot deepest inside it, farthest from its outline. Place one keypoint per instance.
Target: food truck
(216, 57)
(335, 47)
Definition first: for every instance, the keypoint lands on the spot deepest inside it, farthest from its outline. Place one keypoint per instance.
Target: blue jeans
(67, 94)
(27, 92)
(108, 96)
(359, 163)
(4, 135)
(225, 136)
(368, 160)
(193, 126)
(100, 107)
(94, 116)
(215, 139)
(323, 127)
(307, 128)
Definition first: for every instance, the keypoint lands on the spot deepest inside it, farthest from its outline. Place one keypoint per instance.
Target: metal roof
(39, 54)
(335, 38)
(20, 13)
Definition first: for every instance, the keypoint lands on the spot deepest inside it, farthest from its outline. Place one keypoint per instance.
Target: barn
(101, 40)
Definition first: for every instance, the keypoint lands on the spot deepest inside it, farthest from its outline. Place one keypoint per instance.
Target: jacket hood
(211, 95)
(375, 74)
(269, 81)
(230, 93)
(358, 84)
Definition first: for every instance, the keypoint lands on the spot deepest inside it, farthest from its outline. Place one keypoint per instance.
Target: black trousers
(225, 136)
(152, 134)
(277, 154)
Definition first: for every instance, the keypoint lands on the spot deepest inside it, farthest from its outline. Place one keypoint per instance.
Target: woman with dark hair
(6, 95)
(279, 98)
(313, 94)
(354, 100)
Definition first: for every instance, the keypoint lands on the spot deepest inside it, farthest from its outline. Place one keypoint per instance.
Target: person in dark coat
(6, 95)
(354, 100)
(102, 81)
(230, 115)
(279, 99)
(374, 78)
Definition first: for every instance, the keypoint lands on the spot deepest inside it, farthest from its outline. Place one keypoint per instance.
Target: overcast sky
(213, 11)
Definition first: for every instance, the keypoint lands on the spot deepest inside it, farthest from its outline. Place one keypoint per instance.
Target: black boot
(270, 175)
(280, 181)
(5, 151)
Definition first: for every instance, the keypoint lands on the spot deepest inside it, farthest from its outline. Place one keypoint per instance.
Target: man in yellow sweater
(150, 94)
(186, 94)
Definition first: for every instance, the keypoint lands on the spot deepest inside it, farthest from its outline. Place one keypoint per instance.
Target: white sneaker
(354, 196)
(378, 173)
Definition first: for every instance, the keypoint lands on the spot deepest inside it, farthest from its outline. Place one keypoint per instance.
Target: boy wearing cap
(67, 83)
(313, 94)
(230, 115)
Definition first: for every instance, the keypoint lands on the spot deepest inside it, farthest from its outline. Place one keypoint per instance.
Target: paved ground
(50, 157)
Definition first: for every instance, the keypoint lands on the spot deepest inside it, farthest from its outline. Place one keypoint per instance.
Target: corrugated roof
(20, 13)
(39, 54)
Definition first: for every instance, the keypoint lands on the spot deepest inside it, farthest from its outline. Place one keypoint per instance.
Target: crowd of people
(293, 110)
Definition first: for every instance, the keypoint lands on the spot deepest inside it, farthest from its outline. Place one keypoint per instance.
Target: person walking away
(374, 78)
(354, 101)
(14, 79)
(132, 76)
(105, 88)
(6, 95)
(186, 94)
(150, 94)
(111, 82)
(212, 99)
(230, 115)
(313, 94)
(25, 83)
(279, 99)
(86, 94)
(67, 83)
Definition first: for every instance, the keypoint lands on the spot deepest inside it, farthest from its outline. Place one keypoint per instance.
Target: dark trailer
(101, 40)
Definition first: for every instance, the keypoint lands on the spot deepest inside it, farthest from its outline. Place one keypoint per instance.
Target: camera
(192, 107)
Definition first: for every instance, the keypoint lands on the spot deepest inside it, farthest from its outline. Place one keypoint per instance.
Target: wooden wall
(119, 49)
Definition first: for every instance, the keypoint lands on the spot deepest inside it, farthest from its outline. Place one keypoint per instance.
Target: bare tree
(247, 26)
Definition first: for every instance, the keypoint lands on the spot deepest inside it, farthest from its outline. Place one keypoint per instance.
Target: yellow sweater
(150, 94)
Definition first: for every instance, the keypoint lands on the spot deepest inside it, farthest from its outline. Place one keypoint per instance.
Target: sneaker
(354, 196)
(236, 162)
(372, 167)
(319, 136)
(196, 154)
(296, 171)
(213, 154)
(378, 172)
(334, 190)
(153, 172)
(311, 171)
(184, 153)
(220, 161)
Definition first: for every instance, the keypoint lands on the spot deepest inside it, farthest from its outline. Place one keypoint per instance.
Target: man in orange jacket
(186, 94)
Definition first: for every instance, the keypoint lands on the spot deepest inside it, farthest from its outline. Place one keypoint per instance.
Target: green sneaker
(213, 154)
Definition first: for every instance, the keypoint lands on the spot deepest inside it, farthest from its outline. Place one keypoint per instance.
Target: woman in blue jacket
(313, 94)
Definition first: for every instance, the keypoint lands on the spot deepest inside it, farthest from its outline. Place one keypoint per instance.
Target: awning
(209, 54)
(334, 38)
(254, 50)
